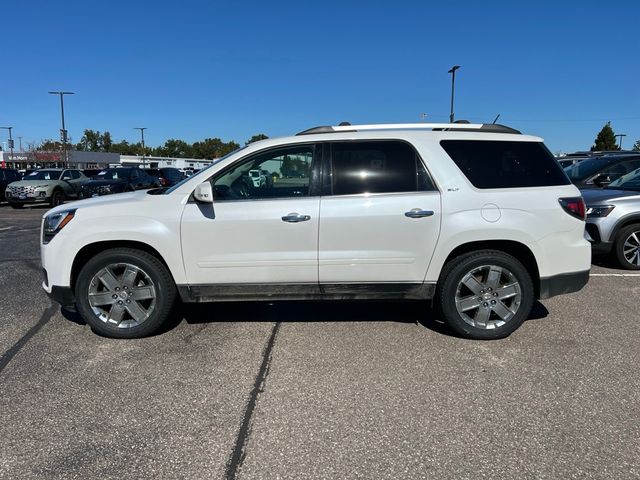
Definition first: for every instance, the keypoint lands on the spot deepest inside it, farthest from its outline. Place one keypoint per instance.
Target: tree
(212, 148)
(48, 145)
(94, 141)
(256, 138)
(636, 146)
(174, 148)
(606, 139)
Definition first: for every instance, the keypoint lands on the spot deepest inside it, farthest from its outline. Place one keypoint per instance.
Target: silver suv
(613, 219)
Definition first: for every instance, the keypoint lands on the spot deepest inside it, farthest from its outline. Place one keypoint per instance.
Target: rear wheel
(485, 295)
(627, 247)
(125, 293)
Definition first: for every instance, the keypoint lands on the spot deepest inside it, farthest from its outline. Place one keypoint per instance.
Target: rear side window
(491, 164)
(376, 167)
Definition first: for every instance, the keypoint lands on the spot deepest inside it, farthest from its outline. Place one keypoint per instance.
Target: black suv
(7, 175)
(168, 176)
(598, 172)
(118, 180)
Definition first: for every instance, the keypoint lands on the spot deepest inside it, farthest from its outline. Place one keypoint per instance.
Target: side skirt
(334, 291)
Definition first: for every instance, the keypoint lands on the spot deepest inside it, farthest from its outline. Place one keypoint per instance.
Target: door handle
(418, 213)
(295, 218)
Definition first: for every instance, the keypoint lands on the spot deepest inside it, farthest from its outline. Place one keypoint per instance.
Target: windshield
(586, 168)
(44, 175)
(113, 174)
(216, 161)
(630, 181)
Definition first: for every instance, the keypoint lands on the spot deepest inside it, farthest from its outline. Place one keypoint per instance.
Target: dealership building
(93, 160)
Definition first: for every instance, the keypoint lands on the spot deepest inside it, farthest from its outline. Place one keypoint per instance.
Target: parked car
(570, 161)
(613, 219)
(91, 172)
(7, 176)
(600, 171)
(479, 218)
(167, 176)
(118, 180)
(48, 185)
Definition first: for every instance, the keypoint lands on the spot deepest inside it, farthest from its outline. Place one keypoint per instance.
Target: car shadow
(415, 312)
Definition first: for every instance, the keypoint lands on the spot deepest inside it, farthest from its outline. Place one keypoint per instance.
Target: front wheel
(57, 198)
(485, 295)
(125, 293)
(627, 247)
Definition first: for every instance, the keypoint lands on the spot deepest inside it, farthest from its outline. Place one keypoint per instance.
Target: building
(94, 160)
(160, 162)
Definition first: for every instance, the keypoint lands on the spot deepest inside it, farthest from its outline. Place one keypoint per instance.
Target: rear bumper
(563, 283)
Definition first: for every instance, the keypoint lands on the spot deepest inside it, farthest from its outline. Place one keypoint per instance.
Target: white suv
(478, 218)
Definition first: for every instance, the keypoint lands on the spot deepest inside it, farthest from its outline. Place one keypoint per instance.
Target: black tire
(164, 290)
(17, 206)
(57, 198)
(631, 236)
(462, 323)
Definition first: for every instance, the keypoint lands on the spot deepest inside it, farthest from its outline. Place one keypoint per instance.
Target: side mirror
(602, 180)
(203, 193)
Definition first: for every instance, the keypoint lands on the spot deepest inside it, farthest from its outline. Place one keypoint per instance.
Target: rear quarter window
(504, 164)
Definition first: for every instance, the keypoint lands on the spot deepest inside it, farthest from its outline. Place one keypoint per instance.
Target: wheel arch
(516, 249)
(624, 222)
(92, 249)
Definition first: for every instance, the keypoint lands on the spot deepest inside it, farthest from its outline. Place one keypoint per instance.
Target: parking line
(614, 274)
(6, 228)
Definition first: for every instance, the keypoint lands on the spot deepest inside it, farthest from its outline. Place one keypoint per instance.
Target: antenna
(496, 119)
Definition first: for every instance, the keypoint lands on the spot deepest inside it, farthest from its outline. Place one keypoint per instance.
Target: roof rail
(451, 127)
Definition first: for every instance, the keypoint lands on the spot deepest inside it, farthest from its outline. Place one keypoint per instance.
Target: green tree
(94, 141)
(256, 138)
(48, 145)
(174, 148)
(636, 146)
(211, 148)
(606, 139)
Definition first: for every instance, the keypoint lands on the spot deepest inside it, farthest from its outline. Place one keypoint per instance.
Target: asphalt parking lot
(313, 390)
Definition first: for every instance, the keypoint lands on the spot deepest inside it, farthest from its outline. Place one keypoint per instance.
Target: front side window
(504, 164)
(387, 166)
(279, 173)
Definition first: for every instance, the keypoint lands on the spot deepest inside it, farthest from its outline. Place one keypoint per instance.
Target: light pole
(453, 87)
(620, 143)
(10, 146)
(63, 131)
(142, 129)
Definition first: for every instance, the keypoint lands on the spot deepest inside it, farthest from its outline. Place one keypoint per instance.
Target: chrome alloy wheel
(122, 295)
(631, 249)
(488, 297)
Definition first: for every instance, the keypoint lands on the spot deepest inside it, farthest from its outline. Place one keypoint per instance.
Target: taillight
(164, 182)
(574, 206)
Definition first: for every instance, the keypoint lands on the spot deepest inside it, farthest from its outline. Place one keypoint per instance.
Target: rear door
(379, 214)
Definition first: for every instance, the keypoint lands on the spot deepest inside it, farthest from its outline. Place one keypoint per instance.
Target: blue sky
(196, 69)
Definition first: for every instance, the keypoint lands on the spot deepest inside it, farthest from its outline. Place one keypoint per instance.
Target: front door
(262, 228)
(380, 218)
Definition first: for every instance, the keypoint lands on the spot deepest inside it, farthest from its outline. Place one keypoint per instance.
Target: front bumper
(563, 283)
(62, 295)
(26, 199)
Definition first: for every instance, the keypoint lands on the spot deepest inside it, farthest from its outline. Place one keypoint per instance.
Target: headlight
(55, 222)
(599, 210)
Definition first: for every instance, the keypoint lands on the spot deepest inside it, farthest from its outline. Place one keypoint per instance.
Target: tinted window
(44, 175)
(491, 164)
(278, 173)
(114, 174)
(376, 167)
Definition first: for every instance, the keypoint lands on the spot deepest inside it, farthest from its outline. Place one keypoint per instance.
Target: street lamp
(63, 131)
(621, 135)
(453, 86)
(10, 145)
(142, 129)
